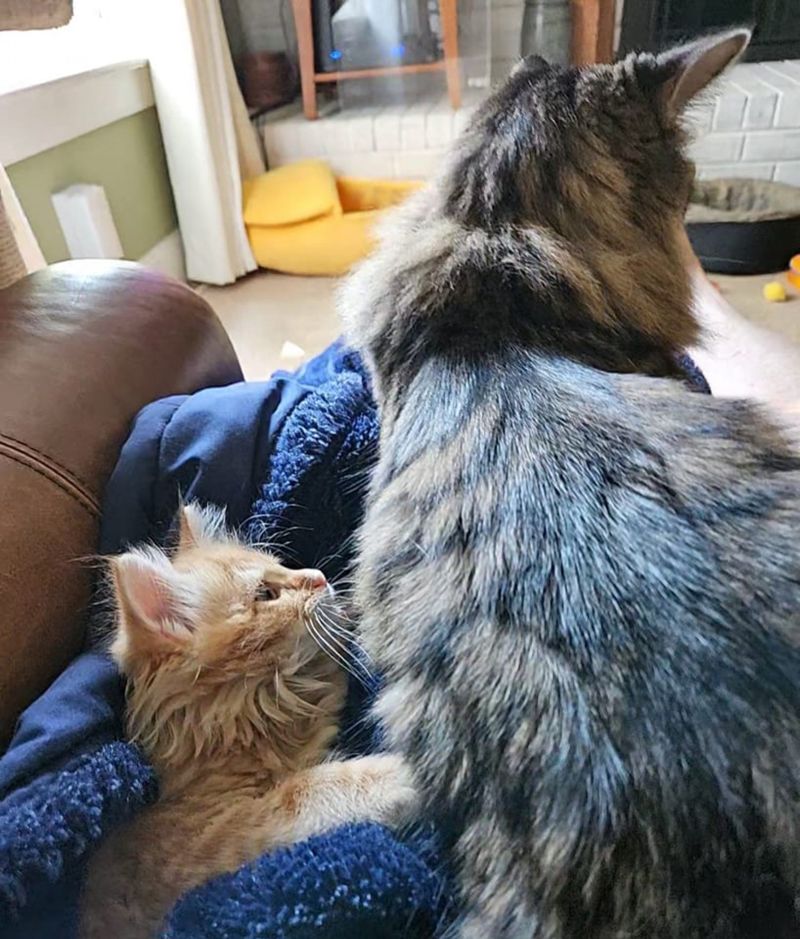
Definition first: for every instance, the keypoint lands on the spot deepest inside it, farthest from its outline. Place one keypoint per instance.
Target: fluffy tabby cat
(592, 573)
(236, 706)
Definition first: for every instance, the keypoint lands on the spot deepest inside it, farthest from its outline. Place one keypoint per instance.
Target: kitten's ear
(689, 68)
(148, 598)
(199, 525)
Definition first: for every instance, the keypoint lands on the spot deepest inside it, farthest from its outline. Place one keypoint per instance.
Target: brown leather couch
(83, 346)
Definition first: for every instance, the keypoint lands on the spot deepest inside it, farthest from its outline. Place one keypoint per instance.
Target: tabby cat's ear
(689, 68)
(149, 598)
(200, 525)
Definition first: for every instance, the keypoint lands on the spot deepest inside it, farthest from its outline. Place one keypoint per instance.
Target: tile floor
(751, 347)
(274, 320)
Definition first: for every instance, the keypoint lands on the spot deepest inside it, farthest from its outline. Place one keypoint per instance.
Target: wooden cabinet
(310, 77)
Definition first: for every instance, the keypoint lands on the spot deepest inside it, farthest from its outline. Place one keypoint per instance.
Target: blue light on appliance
(399, 50)
(335, 54)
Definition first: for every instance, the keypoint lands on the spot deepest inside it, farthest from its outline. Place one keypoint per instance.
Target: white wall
(101, 33)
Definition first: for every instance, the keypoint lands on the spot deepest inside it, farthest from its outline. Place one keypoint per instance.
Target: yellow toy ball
(774, 292)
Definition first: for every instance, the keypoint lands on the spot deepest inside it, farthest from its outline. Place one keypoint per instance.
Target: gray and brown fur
(580, 579)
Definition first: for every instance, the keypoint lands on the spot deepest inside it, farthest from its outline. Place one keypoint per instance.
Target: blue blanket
(289, 459)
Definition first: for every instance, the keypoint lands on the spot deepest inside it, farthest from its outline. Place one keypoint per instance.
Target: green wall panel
(127, 159)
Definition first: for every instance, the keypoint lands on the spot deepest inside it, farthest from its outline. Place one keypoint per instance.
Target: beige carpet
(744, 293)
(264, 311)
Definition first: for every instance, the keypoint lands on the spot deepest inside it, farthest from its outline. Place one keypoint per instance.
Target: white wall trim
(167, 256)
(44, 116)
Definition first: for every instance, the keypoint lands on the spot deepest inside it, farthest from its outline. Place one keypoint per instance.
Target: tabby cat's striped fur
(581, 580)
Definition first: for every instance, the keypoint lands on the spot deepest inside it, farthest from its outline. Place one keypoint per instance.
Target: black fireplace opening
(654, 24)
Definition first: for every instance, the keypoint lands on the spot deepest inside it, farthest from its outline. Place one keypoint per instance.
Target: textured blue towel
(289, 460)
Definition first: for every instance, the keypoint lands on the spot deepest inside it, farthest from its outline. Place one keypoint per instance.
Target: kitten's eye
(266, 592)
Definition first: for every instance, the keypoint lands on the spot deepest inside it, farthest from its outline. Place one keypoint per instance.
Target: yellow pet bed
(301, 219)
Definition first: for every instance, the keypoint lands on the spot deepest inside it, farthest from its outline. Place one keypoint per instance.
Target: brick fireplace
(750, 128)
(753, 127)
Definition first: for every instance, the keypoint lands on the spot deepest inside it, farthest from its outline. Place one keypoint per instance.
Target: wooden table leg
(449, 14)
(592, 31)
(305, 49)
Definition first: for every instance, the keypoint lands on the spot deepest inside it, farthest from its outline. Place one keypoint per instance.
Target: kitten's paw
(395, 799)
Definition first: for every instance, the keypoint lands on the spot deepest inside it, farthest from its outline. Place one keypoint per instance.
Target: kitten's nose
(308, 577)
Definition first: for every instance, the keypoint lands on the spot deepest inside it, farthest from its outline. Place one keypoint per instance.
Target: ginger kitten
(236, 706)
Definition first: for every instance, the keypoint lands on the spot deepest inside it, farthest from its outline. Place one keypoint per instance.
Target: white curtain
(209, 141)
(19, 250)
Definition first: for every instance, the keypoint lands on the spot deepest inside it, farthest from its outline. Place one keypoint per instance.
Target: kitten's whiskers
(335, 650)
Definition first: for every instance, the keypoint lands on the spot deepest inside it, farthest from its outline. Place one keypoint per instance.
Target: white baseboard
(167, 256)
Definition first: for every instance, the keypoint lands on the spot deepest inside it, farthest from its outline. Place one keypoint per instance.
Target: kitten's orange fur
(236, 707)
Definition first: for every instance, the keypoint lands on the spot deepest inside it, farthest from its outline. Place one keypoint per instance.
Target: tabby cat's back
(595, 569)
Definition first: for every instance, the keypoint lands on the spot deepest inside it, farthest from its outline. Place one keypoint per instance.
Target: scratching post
(41, 14)
(12, 267)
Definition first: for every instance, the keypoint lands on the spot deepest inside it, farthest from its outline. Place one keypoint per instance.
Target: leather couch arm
(83, 346)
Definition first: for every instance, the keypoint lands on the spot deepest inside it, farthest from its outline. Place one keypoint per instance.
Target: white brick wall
(395, 141)
(752, 128)
(788, 172)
